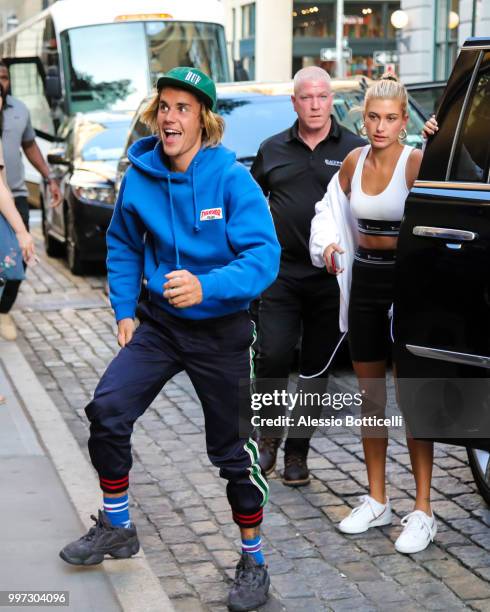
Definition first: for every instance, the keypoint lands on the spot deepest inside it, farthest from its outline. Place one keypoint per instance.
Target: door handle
(444, 232)
(482, 361)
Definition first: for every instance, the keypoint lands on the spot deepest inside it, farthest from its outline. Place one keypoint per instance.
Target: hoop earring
(403, 134)
(363, 131)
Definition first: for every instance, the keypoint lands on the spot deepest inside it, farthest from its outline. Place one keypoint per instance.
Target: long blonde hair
(213, 124)
(387, 88)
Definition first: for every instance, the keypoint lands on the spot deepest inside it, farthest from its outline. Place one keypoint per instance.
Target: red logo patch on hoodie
(210, 214)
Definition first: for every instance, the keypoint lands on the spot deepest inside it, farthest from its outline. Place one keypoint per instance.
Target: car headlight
(95, 193)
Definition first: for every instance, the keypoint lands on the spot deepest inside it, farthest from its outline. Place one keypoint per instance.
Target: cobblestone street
(179, 503)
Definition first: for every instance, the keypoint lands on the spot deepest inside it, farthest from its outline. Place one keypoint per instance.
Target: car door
(442, 304)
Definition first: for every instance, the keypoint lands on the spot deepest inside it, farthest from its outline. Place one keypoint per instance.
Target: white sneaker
(420, 530)
(8, 331)
(369, 514)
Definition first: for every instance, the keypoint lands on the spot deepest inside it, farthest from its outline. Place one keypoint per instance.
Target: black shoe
(103, 538)
(296, 473)
(251, 585)
(268, 454)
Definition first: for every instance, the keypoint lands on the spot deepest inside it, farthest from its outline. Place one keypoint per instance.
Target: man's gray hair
(310, 73)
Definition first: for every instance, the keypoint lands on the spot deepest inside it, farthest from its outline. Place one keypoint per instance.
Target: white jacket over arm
(334, 222)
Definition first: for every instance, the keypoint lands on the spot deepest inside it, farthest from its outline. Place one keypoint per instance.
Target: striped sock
(117, 510)
(254, 548)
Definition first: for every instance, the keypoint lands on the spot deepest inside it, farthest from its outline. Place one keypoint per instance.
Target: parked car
(85, 158)
(254, 111)
(442, 304)
(427, 95)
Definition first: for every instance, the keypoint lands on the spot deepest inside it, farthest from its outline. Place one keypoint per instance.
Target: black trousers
(215, 353)
(302, 302)
(11, 288)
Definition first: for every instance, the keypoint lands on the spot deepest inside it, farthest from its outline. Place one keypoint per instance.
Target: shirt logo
(210, 214)
(192, 77)
(333, 162)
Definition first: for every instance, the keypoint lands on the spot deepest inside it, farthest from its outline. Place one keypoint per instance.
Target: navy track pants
(215, 353)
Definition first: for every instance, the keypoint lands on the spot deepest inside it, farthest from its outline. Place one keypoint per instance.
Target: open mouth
(171, 136)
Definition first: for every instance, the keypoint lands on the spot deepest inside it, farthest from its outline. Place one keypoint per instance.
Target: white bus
(79, 56)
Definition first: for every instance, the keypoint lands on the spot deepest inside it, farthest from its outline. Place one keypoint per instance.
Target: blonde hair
(213, 124)
(387, 88)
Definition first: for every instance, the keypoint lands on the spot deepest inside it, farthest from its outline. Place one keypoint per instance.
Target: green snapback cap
(192, 79)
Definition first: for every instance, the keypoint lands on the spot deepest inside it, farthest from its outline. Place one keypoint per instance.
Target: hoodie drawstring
(197, 227)
(172, 219)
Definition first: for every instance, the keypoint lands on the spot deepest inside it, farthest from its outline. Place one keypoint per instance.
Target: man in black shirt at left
(293, 169)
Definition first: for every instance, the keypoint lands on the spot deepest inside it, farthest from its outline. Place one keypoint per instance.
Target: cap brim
(178, 84)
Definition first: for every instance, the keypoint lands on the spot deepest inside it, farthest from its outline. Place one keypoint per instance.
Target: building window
(446, 37)
(366, 29)
(363, 20)
(248, 20)
(314, 21)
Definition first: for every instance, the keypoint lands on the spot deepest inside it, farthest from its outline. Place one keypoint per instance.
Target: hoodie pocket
(157, 280)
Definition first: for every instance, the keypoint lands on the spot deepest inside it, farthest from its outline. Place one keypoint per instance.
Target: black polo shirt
(295, 178)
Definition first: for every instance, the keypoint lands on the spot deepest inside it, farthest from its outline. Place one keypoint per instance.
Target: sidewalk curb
(135, 585)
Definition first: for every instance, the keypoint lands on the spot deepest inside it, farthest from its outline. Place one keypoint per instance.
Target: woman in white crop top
(375, 180)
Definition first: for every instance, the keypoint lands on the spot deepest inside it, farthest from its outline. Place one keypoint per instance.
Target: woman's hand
(430, 128)
(327, 256)
(26, 244)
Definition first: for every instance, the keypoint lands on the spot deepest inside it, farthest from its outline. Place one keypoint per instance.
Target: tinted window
(249, 121)
(347, 110)
(436, 158)
(429, 98)
(472, 152)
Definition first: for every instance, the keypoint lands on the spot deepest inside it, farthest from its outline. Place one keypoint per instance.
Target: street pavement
(37, 517)
(179, 503)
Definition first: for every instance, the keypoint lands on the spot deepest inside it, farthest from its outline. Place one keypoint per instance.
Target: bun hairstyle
(387, 88)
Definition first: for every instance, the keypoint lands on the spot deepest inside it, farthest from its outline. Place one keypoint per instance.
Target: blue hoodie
(211, 220)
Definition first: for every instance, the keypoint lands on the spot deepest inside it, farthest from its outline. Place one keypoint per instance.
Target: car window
(249, 121)
(347, 109)
(428, 97)
(436, 158)
(102, 141)
(471, 159)
(139, 130)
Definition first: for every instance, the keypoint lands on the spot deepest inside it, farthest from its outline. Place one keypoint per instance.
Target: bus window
(106, 67)
(26, 83)
(186, 44)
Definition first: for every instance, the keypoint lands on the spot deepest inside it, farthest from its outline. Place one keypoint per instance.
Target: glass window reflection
(107, 67)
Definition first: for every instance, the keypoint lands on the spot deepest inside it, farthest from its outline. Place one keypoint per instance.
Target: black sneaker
(102, 539)
(268, 454)
(251, 585)
(296, 473)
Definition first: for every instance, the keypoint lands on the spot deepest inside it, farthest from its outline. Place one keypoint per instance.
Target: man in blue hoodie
(193, 223)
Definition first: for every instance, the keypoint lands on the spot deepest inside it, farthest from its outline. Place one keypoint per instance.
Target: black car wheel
(73, 256)
(480, 466)
(53, 247)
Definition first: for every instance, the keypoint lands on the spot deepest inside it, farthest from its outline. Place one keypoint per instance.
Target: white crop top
(387, 205)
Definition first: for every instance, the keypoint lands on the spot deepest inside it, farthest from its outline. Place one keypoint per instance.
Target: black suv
(84, 156)
(442, 305)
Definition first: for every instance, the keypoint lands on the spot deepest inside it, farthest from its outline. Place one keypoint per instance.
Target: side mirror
(52, 84)
(57, 156)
